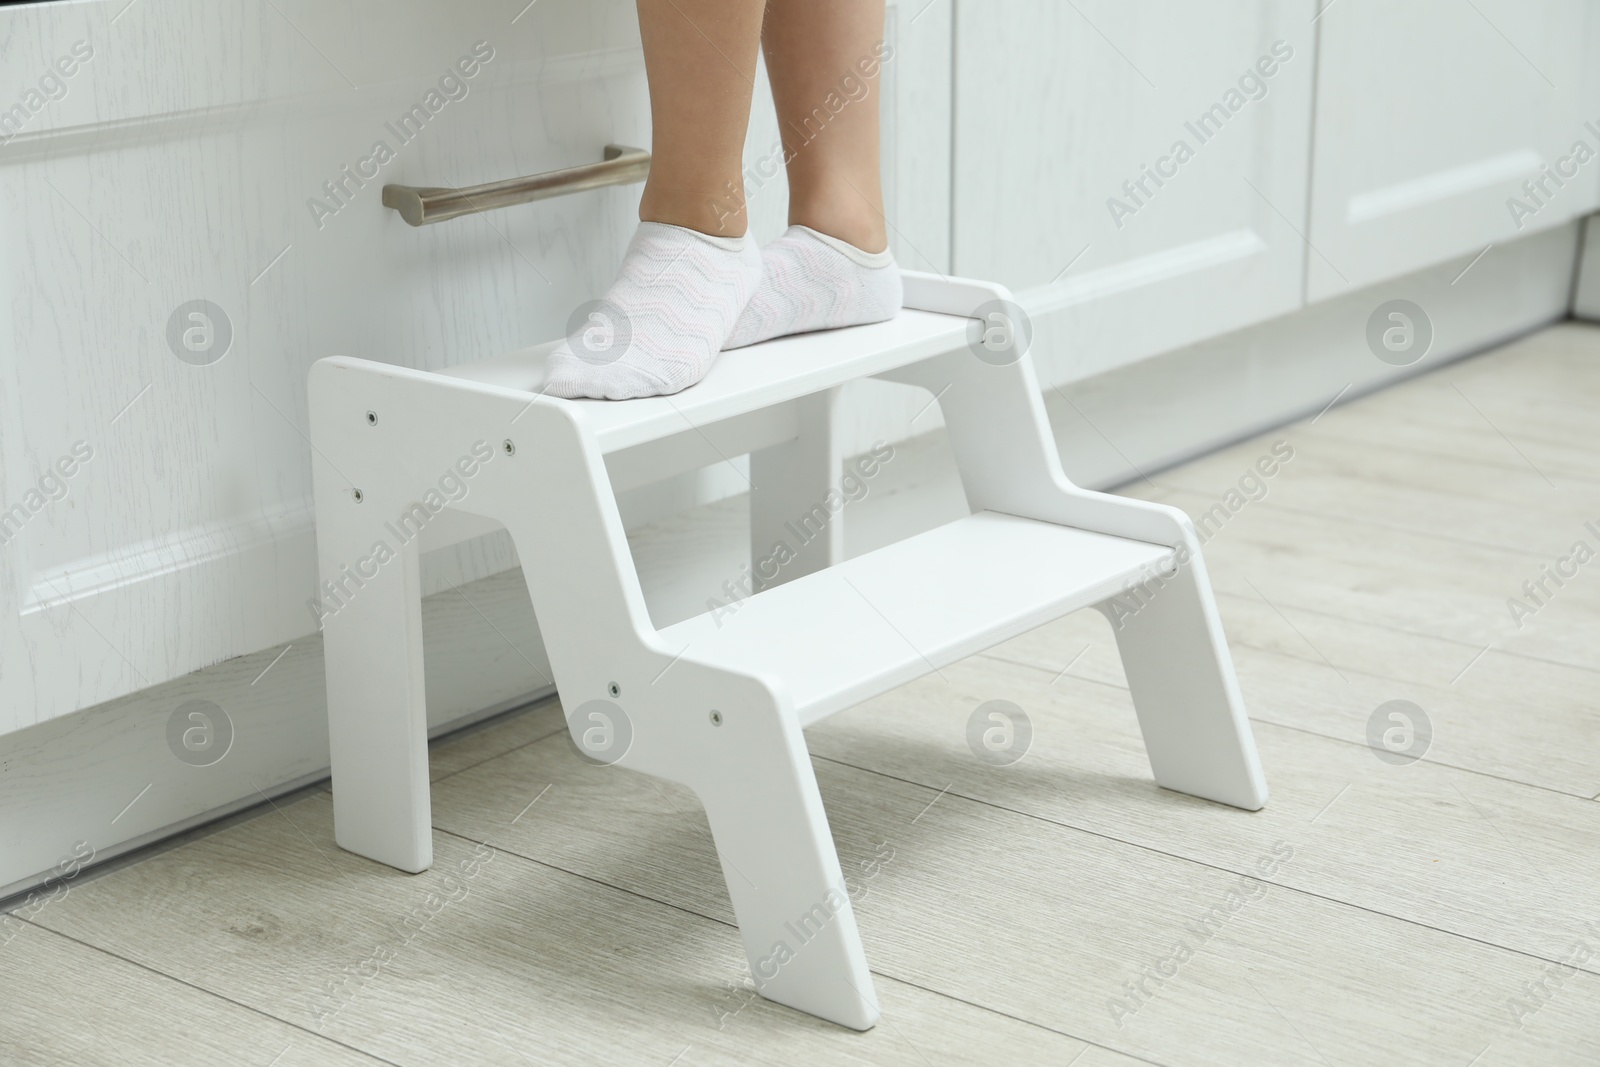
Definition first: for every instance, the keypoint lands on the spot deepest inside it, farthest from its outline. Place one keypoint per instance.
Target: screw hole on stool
(372, 418)
(716, 718)
(511, 449)
(358, 494)
(614, 689)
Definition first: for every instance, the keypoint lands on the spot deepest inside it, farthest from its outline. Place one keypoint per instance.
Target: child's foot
(656, 331)
(811, 281)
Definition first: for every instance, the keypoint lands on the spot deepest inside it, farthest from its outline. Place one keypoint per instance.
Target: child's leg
(833, 267)
(700, 59)
(817, 50)
(690, 269)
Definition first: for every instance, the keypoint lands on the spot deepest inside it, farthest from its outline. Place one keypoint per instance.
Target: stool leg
(753, 774)
(725, 736)
(789, 498)
(787, 889)
(377, 719)
(1184, 690)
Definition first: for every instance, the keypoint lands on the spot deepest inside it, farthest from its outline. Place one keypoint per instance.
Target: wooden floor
(1062, 910)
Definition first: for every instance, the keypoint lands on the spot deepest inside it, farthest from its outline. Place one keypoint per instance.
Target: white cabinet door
(155, 512)
(1136, 171)
(1444, 127)
(227, 153)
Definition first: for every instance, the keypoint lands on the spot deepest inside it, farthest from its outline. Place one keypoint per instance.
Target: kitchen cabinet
(1136, 172)
(1443, 128)
(195, 218)
(192, 225)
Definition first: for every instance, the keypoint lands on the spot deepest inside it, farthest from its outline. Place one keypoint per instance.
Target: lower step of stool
(843, 635)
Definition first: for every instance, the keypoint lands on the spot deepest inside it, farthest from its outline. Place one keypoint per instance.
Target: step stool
(719, 704)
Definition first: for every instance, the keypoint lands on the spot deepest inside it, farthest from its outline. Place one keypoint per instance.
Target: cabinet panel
(219, 153)
(1431, 116)
(1136, 171)
(222, 154)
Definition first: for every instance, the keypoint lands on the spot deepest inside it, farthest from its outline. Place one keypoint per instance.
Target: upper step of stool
(859, 628)
(935, 321)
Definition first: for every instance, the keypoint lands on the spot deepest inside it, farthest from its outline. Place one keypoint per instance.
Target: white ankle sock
(677, 296)
(811, 281)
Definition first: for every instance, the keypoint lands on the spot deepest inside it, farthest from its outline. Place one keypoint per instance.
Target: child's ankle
(711, 216)
(864, 230)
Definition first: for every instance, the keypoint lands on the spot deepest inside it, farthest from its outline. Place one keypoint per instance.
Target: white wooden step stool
(719, 704)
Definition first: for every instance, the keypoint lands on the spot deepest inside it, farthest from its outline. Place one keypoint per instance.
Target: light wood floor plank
(472, 746)
(69, 1004)
(1435, 832)
(1047, 921)
(1492, 860)
(514, 963)
(1541, 387)
(1470, 695)
(1463, 499)
(1396, 578)
(1462, 416)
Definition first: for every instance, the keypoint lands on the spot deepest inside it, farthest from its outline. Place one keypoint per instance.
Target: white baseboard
(106, 776)
(1137, 419)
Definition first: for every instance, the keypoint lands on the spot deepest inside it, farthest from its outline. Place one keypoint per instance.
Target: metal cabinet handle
(422, 206)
